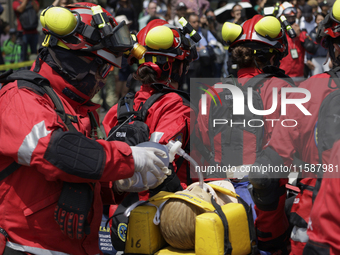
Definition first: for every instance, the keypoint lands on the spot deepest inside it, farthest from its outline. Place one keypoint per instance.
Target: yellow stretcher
(144, 237)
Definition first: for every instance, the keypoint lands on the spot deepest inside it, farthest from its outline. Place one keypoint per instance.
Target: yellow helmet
(259, 33)
(86, 27)
(329, 31)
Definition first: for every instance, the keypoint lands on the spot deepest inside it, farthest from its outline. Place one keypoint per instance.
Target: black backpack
(29, 18)
(134, 133)
(230, 143)
(328, 125)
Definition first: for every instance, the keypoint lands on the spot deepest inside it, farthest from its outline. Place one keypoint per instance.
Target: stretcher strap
(227, 245)
(251, 226)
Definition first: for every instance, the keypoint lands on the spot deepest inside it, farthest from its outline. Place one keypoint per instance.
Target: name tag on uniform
(294, 53)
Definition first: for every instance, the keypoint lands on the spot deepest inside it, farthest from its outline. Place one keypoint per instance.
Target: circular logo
(122, 228)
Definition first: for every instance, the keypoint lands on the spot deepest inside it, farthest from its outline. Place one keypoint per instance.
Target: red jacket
(324, 225)
(28, 196)
(168, 119)
(293, 67)
(265, 91)
(301, 138)
(286, 141)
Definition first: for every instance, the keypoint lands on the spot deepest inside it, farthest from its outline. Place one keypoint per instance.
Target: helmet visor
(120, 39)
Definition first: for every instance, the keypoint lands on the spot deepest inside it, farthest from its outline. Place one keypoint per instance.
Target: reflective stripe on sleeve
(156, 136)
(30, 142)
(33, 250)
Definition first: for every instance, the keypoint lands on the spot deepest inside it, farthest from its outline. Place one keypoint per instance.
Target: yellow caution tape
(16, 65)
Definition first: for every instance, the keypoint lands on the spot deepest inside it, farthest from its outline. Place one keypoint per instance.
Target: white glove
(146, 160)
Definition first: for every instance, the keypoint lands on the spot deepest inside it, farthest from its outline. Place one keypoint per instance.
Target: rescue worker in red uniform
(297, 136)
(256, 46)
(169, 117)
(323, 225)
(257, 51)
(56, 163)
(293, 63)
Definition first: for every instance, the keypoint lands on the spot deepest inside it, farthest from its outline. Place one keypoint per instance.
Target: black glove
(72, 209)
(171, 184)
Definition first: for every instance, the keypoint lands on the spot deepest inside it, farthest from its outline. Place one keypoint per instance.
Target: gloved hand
(146, 160)
(73, 206)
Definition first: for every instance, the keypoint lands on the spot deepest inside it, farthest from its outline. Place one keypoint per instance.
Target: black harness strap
(251, 226)
(9, 170)
(335, 77)
(258, 79)
(333, 73)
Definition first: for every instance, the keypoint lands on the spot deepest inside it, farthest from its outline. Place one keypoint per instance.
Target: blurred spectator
(27, 21)
(181, 11)
(11, 48)
(324, 7)
(204, 66)
(151, 10)
(4, 33)
(221, 4)
(125, 7)
(293, 63)
(144, 12)
(301, 3)
(260, 5)
(308, 20)
(161, 8)
(298, 15)
(237, 13)
(196, 6)
(314, 4)
(317, 62)
(293, 2)
(112, 6)
(63, 3)
(216, 30)
(213, 26)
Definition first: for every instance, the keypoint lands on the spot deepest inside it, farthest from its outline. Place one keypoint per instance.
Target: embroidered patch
(179, 137)
(122, 228)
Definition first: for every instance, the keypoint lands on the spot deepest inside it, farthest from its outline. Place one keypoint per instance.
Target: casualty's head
(83, 43)
(258, 42)
(181, 235)
(168, 53)
(328, 33)
(178, 215)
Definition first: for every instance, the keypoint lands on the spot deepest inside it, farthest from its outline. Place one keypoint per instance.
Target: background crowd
(21, 40)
